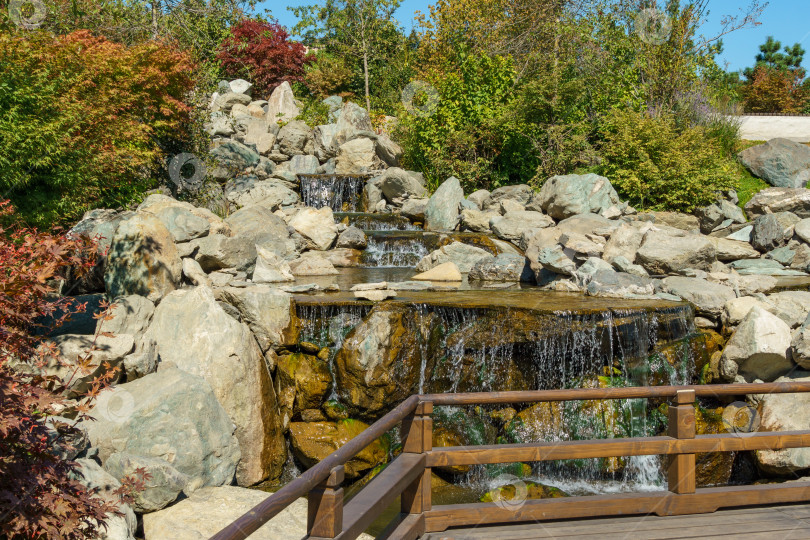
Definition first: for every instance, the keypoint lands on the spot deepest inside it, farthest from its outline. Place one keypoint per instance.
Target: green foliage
(657, 166)
(84, 121)
(771, 57)
(468, 133)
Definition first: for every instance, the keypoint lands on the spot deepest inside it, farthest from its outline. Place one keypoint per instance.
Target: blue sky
(786, 20)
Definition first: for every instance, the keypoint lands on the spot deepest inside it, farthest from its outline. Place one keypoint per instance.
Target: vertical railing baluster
(681, 472)
(325, 506)
(417, 438)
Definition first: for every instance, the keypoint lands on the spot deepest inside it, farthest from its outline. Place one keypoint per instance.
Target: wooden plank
(681, 468)
(406, 527)
(381, 492)
(325, 506)
(534, 396)
(704, 500)
(641, 446)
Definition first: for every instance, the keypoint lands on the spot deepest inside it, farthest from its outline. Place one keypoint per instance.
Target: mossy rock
(313, 441)
(335, 410)
(534, 491)
(302, 382)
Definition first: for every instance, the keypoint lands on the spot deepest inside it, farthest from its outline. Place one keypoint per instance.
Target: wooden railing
(409, 474)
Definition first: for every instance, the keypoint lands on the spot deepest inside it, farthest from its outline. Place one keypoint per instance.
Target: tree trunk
(155, 19)
(365, 73)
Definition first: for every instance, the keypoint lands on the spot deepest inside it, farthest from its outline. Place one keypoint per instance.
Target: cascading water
(376, 222)
(341, 193)
(496, 348)
(394, 250)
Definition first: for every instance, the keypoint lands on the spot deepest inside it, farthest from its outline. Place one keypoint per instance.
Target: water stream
(338, 192)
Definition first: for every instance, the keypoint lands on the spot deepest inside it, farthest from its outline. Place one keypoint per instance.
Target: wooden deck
(771, 523)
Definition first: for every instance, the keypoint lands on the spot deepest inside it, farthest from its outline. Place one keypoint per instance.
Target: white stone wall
(764, 128)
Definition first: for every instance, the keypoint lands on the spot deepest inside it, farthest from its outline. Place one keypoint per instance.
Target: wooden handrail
(260, 514)
(681, 444)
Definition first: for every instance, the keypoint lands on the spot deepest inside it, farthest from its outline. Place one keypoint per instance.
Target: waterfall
(338, 192)
(394, 250)
(376, 222)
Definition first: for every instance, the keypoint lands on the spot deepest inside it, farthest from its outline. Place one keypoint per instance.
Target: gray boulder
(227, 100)
(173, 418)
(784, 412)
(216, 252)
(323, 139)
(554, 259)
(232, 158)
(163, 487)
(270, 268)
(104, 485)
(262, 227)
(520, 193)
(271, 194)
(266, 310)
(397, 183)
(800, 345)
(352, 119)
(316, 226)
(769, 233)
(719, 215)
(209, 510)
(302, 165)
(612, 284)
(732, 250)
(142, 260)
(479, 198)
(352, 238)
(463, 255)
(511, 225)
(780, 162)
(773, 200)
(709, 298)
(194, 332)
(625, 241)
(565, 196)
(802, 230)
(414, 209)
(504, 267)
(356, 156)
(442, 211)
(293, 138)
(182, 224)
(476, 220)
(758, 348)
(281, 106)
(388, 151)
(670, 251)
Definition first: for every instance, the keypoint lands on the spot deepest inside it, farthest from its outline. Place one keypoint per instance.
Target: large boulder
(270, 194)
(732, 250)
(209, 510)
(316, 226)
(520, 193)
(784, 412)
(216, 252)
(511, 225)
(625, 241)
(351, 120)
(356, 156)
(270, 268)
(293, 138)
(800, 345)
(264, 228)
(780, 162)
(323, 139)
(379, 363)
(142, 259)
(105, 487)
(302, 382)
(193, 331)
(565, 196)
(182, 224)
(504, 267)
(313, 441)
(463, 255)
(232, 157)
(666, 251)
(173, 421)
(397, 183)
(98, 355)
(612, 284)
(441, 213)
(769, 233)
(709, 298)
(266, 310)
(758, 349)
(388, 151)
(773, 200)
(477, 220)
(281, 106)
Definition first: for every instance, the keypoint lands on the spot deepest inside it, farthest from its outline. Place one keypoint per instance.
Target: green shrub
(656, 166)
(84, 122)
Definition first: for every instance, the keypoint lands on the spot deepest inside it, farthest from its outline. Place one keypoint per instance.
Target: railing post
(681, 473)
(325, 506)
(417, 438)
